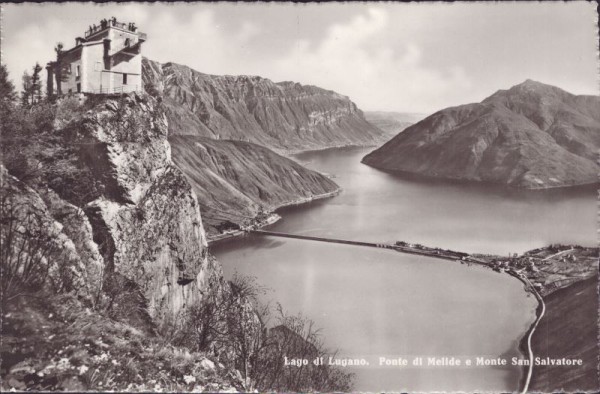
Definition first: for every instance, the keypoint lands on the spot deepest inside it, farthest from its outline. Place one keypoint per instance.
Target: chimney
(107, 54)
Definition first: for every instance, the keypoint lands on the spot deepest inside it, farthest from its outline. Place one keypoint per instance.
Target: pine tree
(26, 92)
(7, 89)
(36, 84)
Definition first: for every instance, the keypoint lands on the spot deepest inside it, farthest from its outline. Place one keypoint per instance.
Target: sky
(405, 57)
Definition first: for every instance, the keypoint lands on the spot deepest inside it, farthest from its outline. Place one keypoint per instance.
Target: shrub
(234, 326)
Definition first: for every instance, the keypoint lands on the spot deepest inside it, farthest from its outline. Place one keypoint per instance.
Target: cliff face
(235, 180)
(53, 236)
(284, 116)
(147, 222)
(530, 136)
(136, 246)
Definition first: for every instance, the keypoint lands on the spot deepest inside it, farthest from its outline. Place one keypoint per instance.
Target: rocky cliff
(529, 136)
(284, 116)
(236, 180)
(147, 222)
(134, 236)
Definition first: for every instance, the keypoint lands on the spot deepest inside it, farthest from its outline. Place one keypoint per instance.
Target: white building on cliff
(107, 60)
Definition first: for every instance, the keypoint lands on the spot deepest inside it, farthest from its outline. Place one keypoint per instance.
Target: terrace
(112, 22)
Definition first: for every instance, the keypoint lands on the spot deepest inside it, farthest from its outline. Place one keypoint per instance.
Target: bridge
(404, 248)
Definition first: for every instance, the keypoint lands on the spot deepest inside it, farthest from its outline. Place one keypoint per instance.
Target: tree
(59, 74)
(7, 89)
(234, 326)
(36, 84)
(26, 92)
(32, 86)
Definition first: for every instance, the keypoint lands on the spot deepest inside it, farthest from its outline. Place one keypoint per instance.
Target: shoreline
(408, 175)
(273, 217)
(301, 151)
(306, 200)
(523, 342)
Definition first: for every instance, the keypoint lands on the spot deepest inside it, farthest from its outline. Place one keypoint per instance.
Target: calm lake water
(375, 302)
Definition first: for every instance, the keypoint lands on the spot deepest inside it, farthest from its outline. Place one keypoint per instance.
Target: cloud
(202, 42)
(28, 46)
(356, 59)
(401, 57)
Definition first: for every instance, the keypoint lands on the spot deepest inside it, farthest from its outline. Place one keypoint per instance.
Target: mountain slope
(530, 136)
(235, 180)
(283, 116)
(570, 314)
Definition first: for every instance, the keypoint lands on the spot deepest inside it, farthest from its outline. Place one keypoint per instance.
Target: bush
(234, 326)
(37, 154)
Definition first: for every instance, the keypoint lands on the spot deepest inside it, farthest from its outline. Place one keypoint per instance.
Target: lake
(375, 303)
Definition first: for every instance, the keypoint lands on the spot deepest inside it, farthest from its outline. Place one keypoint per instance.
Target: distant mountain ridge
(531, 136)
(392, 122)
(285, 116)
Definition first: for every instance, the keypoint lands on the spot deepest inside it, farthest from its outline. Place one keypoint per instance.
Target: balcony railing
(110, 23)
(117, 90)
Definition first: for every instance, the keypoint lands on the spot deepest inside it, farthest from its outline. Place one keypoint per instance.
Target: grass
(55, 343)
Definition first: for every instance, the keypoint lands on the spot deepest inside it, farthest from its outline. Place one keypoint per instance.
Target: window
(78, 88)
(124, 79)
(77, 70)
(127, 42)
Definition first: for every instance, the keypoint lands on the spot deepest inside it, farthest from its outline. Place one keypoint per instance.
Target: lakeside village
(547, 269)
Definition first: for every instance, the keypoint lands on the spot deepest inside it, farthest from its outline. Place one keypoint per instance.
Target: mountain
(284, 116)
(235, 180)
(530, 136)
(392, 122)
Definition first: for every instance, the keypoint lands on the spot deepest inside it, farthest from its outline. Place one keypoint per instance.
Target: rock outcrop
(236, 180)
(284, 116)
(147, 222)
(46, 240)
(529, 136)
(135, 246)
